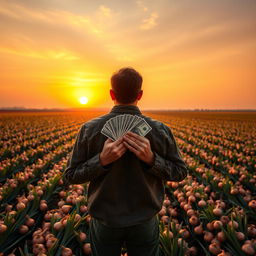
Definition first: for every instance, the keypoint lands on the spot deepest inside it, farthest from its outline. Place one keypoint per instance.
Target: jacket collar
(125, 109)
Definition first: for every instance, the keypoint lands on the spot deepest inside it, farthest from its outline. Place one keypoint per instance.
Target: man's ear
(140, 95)
(112, 94)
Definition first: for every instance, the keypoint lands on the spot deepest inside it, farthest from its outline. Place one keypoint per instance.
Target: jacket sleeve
(169, 165)
(79, 169)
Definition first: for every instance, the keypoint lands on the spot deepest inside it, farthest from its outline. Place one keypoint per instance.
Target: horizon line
(107, 109)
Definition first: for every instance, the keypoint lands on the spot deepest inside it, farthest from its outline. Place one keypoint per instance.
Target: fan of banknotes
(118, 125)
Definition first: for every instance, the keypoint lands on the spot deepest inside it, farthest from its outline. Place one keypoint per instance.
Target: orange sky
(191, 54)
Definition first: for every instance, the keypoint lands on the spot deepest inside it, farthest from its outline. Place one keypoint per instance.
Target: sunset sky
(191, 54)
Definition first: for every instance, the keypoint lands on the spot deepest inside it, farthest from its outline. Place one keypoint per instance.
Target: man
(126, 176)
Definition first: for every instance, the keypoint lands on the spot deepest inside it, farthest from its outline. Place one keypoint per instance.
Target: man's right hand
(112, 151)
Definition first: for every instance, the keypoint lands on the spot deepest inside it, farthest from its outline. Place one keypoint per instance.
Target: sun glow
(83, 100)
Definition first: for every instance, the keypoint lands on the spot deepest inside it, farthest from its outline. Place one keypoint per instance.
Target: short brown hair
(126, 83)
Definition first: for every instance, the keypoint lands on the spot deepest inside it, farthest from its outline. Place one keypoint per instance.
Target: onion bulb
(214, 248)
(23, 229)
(3, 228)
(66, 251)
(248, 249)
(82, 236)
(58, 225)
(87, 248)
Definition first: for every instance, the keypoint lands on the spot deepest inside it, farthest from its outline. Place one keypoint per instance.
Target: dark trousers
(140, 240)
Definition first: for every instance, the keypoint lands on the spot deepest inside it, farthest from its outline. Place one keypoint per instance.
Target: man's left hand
(140, 146)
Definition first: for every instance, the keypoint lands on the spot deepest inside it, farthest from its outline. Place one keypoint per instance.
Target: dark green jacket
(127, 191)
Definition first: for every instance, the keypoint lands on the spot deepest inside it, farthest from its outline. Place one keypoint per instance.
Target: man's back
(128, 191)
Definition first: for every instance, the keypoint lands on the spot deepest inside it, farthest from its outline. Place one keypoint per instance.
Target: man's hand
(140, 146)
(112, 151)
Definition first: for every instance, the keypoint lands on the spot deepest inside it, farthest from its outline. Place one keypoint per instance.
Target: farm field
(211, 212)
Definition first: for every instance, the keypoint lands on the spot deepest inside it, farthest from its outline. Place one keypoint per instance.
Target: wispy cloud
(105, 11)
(93, 23)
(142, 5)
(149, 22)
(82, 32)
(42, 54)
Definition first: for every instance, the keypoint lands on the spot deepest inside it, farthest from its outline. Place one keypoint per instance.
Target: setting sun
(83, 100)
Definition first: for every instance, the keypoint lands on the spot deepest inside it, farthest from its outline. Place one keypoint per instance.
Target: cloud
(42, 54)
(105, 11)
(93, 23)
(142, 6)
(71, 35)
(150, 22)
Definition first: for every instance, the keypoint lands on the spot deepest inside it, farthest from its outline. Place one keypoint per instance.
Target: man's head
(126, 86)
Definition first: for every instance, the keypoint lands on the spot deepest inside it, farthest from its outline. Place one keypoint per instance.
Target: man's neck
(131, 104)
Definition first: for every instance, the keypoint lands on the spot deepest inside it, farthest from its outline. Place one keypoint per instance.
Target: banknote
(118, 125)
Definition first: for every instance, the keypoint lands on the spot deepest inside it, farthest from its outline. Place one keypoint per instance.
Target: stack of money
(118, 125)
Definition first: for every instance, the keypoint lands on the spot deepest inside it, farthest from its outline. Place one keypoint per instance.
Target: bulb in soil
(223, 253)
(57, 215)
(40, 192)
(224, 219)
(20, 206)
(38, 239)
(202, 203)
(77, 217)
(185, 233)
(3, 228)
(9, 207)
(87, 248)
(30, 222)
(37, 232)
(208, 236)
(233, 224)
(240, 236)
(43, 207)
(38, 248)
(23, 229)
(193, 220)
(46, 225)
(248, 249)
(217, 211)
(209, 226)
(252, 231)
(165, 233)
(252, 204)
(190, 212)
(167, 202)
(193, 251)
(182, 243)
(191, 199)
(65, 208)
(58, 225)
(83, 208)
(48, 236)
(24, 200)
(217, 224)
(199, 229)
(62, 193)
(66, 251)
(82, 236)
(162, 211)
(214, 248)
(221, 236)
(61, 203)
(64, 221)
(165, 219)
(48, 216)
